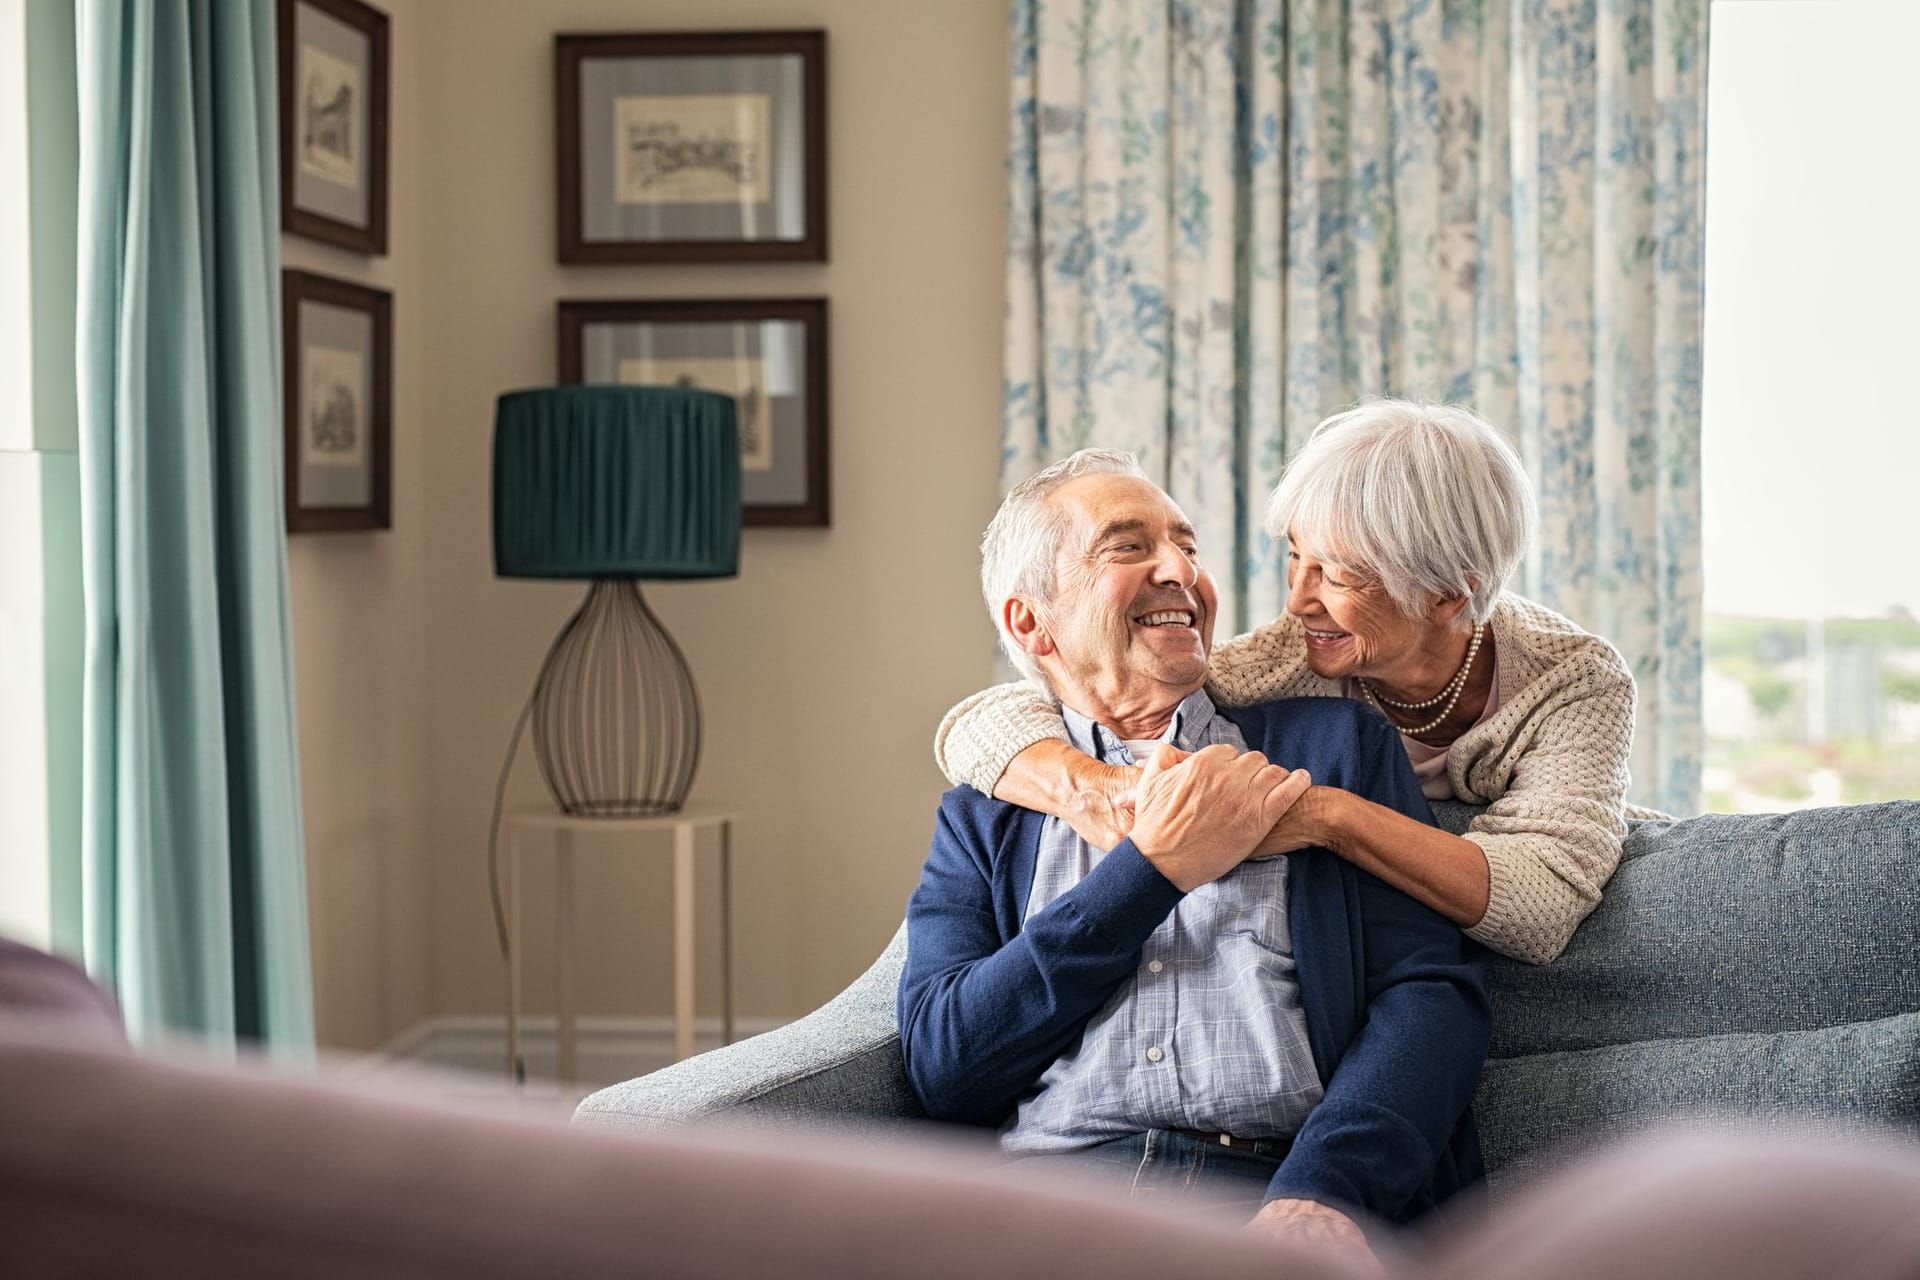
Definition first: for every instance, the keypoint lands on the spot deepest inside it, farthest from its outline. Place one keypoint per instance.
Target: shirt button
(1154, 966)
(1154, 1054)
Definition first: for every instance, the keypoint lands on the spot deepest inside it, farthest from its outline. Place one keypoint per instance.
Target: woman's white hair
(1425, 498)
(1021, 546)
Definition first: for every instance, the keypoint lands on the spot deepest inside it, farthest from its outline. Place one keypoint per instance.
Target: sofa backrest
(1738, 965)
(1727, 924)
(1765, 967)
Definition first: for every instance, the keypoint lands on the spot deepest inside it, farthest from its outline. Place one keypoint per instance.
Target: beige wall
(823, 667)
(361, 651)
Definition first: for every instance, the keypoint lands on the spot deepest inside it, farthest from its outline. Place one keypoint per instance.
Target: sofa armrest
(839, 1065)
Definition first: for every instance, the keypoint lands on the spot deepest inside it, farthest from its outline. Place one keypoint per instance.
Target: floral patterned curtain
(1229, 218)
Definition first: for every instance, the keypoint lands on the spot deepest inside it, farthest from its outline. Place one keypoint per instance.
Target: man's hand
(1198, 816)
(1315, 1224)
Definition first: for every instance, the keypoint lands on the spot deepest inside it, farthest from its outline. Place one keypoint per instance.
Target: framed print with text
(338, 372)
(769, 354)
(333, 122)
(692, 146)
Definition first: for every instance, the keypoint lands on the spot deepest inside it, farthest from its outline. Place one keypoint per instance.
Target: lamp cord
(493, 860)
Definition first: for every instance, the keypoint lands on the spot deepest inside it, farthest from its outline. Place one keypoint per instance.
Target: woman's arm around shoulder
(983, 732)
(1552, 838)
(1009, 742)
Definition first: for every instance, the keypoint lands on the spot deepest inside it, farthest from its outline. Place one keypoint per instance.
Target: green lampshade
(615, 482)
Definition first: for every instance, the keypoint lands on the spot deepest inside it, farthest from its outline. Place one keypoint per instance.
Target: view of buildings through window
(1811, 437)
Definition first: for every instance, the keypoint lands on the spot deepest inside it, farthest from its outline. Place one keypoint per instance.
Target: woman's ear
(1445, 611)
(1027, 626)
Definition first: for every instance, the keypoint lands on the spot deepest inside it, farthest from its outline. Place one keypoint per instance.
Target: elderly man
(1285, 1032)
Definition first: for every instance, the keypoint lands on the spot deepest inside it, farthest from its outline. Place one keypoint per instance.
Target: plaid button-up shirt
(1208, 1034)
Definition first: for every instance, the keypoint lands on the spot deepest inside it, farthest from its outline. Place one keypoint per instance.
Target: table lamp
(615, 485)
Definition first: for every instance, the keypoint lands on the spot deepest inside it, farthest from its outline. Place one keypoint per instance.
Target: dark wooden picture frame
(575, 171)
(370, 403)
(371, 164)
(812, 506)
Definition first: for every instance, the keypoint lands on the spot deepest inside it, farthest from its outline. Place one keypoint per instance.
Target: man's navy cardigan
(1394, 994)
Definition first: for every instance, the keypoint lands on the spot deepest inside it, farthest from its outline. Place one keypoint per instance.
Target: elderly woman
(1404, 522)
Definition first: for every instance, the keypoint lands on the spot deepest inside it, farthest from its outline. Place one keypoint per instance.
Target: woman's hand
(1305, 825)
(1054, 777)
(1100, 810)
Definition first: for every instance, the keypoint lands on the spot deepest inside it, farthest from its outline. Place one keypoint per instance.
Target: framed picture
(333, 122)
(338, 375)
(770, 355)
(692, 147)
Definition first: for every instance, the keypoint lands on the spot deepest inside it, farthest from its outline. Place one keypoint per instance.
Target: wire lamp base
(616, 720)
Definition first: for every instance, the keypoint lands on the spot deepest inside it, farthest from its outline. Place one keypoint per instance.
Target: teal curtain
(193, 872)
(1229, 218)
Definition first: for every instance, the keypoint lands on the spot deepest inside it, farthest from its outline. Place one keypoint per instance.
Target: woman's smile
(1324, 641)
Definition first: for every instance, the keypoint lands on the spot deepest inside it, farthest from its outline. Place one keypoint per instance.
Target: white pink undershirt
(1430, 763)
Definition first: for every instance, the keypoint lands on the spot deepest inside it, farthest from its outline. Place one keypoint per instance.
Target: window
(1811, 432)
(40, 607)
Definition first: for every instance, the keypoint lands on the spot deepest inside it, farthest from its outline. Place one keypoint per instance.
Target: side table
(561, 829)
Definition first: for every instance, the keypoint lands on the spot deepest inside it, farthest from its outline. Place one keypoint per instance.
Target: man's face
(1132, 610)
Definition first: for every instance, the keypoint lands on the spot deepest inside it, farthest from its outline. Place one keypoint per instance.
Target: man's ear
(1024, 622)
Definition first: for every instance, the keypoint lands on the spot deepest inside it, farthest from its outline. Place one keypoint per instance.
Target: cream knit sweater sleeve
(982, 734)
(979, 738)
(1554, 781)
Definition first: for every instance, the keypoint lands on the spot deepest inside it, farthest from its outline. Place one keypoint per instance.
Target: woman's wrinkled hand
(1102, 813)
(1304, 825)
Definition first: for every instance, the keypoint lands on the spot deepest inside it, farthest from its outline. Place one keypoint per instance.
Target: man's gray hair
(1427, 498)
(1021, 546)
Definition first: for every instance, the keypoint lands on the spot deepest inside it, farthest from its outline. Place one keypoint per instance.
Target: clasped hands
(1195, 815)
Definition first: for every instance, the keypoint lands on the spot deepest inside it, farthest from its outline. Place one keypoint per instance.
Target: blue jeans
(1166, 1166)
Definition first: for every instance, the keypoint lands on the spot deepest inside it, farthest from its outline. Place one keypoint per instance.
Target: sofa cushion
(1729, 924)
(1864, 1073)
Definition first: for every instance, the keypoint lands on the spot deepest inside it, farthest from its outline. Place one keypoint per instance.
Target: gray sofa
(1766, 968)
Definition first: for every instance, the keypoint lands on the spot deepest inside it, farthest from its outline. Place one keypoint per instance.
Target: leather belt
(1273, 1148)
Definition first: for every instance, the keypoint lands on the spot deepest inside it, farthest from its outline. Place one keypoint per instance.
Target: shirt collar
(1187, 730)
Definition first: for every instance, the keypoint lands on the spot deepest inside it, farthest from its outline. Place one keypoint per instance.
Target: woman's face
(1353, 626)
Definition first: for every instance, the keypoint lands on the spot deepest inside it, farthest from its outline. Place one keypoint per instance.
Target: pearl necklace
(1451, 692)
